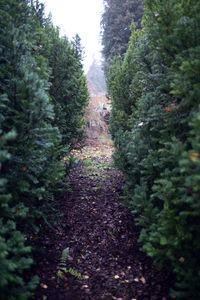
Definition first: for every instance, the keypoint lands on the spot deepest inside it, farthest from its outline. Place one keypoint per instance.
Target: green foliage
(62, 267)
(155, 127)
(68, 89)
(14, 259)
(116, 21)
(63, 259)
(76, 274)
(32, 142)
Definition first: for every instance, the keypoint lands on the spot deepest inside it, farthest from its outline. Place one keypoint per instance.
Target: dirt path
(97, 240)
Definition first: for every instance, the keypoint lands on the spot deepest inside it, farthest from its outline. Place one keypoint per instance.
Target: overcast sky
(82, 17)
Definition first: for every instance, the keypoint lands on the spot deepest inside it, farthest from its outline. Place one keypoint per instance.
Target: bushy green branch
(32, 142)
(155, 127)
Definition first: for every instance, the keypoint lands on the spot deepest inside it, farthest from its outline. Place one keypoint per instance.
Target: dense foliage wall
(68, 89)
(155, 125)
(32, 138)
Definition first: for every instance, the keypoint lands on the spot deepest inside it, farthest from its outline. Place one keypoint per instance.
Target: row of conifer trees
(155, 125)
(43, 93)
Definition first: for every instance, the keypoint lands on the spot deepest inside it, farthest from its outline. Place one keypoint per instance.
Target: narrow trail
(104, 260)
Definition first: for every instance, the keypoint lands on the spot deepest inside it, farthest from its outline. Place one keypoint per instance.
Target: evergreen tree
(78, 50)
(116, 22)
(33, 154)
(96, 76)
(32, 136)
(154, 124)
(68, 89)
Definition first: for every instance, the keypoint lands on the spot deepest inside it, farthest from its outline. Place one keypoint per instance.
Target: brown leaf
(44, 286)
(143, 280)
(182, 259)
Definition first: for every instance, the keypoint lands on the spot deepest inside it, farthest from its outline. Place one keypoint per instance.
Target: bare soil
(105, 260)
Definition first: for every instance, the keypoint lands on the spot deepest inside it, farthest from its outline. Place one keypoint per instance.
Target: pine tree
(68, 89)
(78, 50)
(154, 124)
(116, 22)
(96, 76)
(32, 136)
(28, 159)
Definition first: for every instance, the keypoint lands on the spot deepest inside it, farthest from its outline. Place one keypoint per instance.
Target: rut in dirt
(104, 260)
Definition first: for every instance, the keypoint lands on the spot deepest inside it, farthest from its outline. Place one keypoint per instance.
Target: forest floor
(101, 258)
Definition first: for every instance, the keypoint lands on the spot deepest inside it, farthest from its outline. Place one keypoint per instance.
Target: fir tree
(154, 124)
(116, 22)
(26, 109)
(68, 89)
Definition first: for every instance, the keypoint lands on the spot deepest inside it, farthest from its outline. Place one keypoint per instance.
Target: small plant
(76, 274)
(96, 188)
(63, 270)
(87, 162)
(64, 256)
(62, 267)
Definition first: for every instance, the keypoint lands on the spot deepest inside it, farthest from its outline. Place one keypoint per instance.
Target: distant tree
(38, 9)
(96, 76)
(77, 48)
(116, 22)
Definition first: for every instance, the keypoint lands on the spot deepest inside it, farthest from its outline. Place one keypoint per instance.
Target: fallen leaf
(181, 259)
(44, 286)
(136, 280)
(167, 109)
(143, 280)
(173, 104)
(85, 286)
(116, 276)
(194, 156)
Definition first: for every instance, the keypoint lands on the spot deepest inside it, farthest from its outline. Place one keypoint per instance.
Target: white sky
(82, 17)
